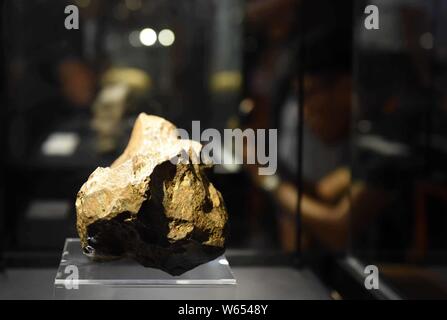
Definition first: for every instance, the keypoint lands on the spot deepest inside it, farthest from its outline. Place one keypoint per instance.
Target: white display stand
(78, 277)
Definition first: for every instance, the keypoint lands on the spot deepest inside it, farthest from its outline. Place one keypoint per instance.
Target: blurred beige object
(120, 89)
(226, 81)
(108, 110)
(136, 79)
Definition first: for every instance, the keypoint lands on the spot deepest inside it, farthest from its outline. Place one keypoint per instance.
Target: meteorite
(152, 205)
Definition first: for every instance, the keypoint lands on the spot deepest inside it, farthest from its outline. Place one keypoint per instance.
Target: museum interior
(351, 94)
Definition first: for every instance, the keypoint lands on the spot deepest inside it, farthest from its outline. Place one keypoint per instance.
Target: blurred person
(49, 79)
(50, 65)
(328, 195)
(79, 67)
(270, 49)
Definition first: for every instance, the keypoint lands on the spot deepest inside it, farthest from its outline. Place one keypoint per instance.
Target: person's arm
(329, 224)
(334, 185)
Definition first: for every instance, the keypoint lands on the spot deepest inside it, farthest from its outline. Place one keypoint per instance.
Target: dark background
(386, 128)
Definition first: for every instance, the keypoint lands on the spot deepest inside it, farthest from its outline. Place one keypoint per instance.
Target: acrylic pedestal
(80, 278)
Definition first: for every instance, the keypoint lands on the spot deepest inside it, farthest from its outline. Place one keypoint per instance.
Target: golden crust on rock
(178, 197)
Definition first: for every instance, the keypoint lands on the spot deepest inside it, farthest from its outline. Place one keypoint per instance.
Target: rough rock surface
(163, 215)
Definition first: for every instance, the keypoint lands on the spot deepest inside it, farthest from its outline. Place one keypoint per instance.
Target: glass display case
(347, 112)
(398, 156)
(59, 122)
(71, 100)
(127, 279)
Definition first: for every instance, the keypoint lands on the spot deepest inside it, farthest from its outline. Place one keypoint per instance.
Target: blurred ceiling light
(166, 37)
(134, 39)
(133, 5)
(83, 3)
(148, 37)
(426, 41)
